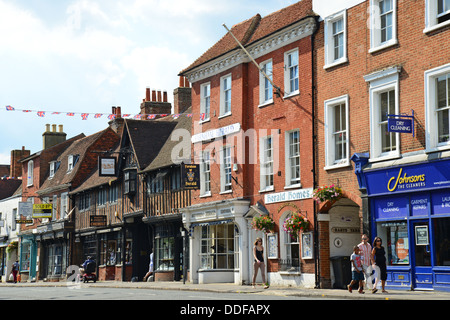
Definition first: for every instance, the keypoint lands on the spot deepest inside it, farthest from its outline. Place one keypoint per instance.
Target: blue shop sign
(400, 125)
(391, 208)
(425, 176)
(441, 202)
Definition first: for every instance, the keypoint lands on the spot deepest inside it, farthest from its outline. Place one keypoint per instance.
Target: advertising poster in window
(307, 245)
(422, 236)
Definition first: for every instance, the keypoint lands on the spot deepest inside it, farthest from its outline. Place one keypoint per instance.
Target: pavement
(247, 289)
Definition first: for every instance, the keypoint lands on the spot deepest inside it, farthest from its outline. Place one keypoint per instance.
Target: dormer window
(72, 161)
(54, 165)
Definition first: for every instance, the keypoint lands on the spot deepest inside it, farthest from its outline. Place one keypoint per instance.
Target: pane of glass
(384, 106)
(441, 84)
(443, 126)
(442, 241)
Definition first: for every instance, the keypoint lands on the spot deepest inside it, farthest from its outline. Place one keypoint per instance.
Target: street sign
(43, 210)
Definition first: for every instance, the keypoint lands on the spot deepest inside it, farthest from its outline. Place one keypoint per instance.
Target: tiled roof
(147, 138)
(164, 157)
(254, 29)
(78, 147)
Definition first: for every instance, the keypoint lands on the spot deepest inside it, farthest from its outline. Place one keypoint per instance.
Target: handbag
(11, 277)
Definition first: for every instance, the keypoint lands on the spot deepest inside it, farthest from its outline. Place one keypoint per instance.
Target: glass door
(422, 261)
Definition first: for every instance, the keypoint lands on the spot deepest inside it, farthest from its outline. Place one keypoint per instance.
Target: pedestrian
(379, 258)
(357, 271)
(258, 255)
(15, 270)
(365, 251)
(150, 267)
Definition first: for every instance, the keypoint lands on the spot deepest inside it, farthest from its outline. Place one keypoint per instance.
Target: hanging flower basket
(325, 193)
(296, 223)
(11, 247)
(263, 223)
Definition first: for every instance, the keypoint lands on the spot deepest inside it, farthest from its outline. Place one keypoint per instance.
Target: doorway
(422, 261)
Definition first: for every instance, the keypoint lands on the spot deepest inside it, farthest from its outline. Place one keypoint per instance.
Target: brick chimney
(16, 166)
(117, 123)
(156, 104)
(182, 96)
(51, 138)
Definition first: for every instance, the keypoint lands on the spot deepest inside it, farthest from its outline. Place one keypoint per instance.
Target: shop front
(218, 241)
(409, 208)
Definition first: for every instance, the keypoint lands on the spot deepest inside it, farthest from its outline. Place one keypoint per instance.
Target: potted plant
(263, 223)
(11, 247)
(296, 223)
(327, 193)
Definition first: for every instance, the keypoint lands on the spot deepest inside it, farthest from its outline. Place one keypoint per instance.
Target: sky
(85, 56)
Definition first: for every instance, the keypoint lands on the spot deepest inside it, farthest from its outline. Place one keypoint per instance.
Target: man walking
(366, 258)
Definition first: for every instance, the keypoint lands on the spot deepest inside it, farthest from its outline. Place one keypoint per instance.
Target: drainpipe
(314, 137)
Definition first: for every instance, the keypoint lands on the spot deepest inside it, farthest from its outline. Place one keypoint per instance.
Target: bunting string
(109, 116)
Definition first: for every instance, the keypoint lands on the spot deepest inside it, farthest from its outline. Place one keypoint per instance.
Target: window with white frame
(437, 106)
(335, 39)
(205, 174)
(292, 145)
(265, 87)
(291, 73)
(437, 14)
(205, 102)
(383, 24)
(30, 173)
(336, 132)
(64, 205)
(383, 95)
(225, 95)
(266, 163)
(225, 170)
(54, 206)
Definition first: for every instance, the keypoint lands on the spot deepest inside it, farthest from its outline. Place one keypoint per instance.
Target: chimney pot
(181, 81)
(186, 82)
(147, 94)
(119, 112)
(153, 95)
(47, 127)
(53, 127)
(60, 128)
(165, 96)
(159, 96)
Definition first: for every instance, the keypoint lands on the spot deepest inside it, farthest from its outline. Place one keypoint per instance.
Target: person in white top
(366, 258)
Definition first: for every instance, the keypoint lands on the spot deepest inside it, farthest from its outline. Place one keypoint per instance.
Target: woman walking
(379, 258)
(258, 255)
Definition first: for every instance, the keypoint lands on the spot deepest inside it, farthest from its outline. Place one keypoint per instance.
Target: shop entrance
(422, 260)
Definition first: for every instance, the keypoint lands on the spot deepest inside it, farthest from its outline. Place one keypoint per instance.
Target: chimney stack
(15, 170)
(182, 96)
(117, 123)
(158, 103)
(51, 138)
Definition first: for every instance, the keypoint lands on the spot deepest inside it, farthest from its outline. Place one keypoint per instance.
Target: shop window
(165, 254)
(395, 242)
(25, 255)
(56, 260)
(442, 241)
(217, 247)
(110, 253)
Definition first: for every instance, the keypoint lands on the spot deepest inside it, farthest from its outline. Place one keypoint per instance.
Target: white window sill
(290, 273)
(335, 63)
(338, 165)
(271, 188)
(204, 121)
(383, 46)
(225, 192)
(266, 103)
(436, 26)
(292, 94)
(206, 195)
(225, 115)
(293, 186)
(384, 158)
(438, 148)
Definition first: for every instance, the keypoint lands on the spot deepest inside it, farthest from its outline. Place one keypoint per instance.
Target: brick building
(373, 59)
(254, 146)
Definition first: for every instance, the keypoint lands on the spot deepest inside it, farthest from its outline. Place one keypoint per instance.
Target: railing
(289, 264)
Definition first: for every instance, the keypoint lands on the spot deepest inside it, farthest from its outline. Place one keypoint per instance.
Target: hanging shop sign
(97, 221)
(25, 209)
(43, 210)
(401, 123)
(190, 176)
(24, 221)
(107, 166)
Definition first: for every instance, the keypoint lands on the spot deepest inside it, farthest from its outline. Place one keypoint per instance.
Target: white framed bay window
(437, 108)
(337, 148)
